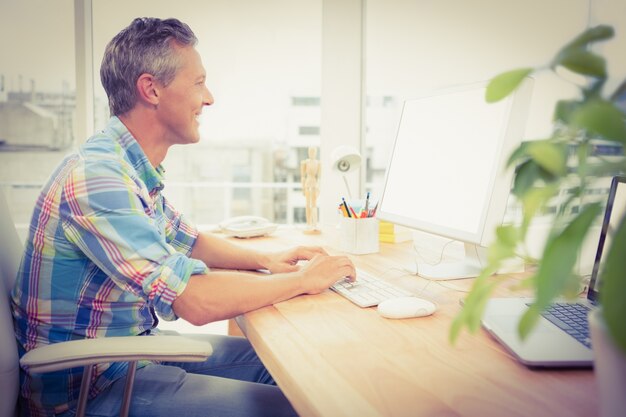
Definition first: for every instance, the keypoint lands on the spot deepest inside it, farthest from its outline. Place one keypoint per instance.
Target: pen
(341, 210)
(346, 206)
(374, 209)
(367, 202)
(356, 216)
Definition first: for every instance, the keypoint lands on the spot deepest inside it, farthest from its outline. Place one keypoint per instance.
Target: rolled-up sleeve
(117, 225)
(180, 233)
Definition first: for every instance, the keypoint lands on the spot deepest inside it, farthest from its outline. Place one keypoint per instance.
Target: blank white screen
(444, 159)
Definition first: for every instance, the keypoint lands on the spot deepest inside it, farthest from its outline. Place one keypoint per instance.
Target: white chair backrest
(10, 254)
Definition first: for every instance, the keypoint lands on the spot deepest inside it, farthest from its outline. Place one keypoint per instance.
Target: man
(107, 251)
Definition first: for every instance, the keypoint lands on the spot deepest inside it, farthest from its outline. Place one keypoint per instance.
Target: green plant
(543, 169)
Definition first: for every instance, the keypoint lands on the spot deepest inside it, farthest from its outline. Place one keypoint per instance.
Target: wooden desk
(333, 359)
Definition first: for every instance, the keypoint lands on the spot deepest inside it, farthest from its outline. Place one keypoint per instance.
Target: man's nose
(208, 98)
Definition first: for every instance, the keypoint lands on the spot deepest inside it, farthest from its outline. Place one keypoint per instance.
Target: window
(37, 97)
(263, 68)
(309, 130)
(305, 101)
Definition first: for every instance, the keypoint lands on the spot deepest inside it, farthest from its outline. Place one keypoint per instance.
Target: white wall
(416, 46)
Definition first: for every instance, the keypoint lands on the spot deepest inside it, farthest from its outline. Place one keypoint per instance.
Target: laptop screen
(615, 208)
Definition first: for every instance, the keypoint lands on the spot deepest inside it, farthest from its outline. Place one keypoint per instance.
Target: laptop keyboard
(367, 290)
(571, 318)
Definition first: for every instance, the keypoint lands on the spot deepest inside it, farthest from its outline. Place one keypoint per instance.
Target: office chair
(76, 353)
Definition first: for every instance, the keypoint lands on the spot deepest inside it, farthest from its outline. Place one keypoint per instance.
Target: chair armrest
(75, 353)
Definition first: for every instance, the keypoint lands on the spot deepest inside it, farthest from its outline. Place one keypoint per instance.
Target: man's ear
(148, 89)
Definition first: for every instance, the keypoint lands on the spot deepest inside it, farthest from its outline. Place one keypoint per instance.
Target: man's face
(182, 101)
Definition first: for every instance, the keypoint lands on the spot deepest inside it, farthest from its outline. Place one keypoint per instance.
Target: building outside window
(37, 97)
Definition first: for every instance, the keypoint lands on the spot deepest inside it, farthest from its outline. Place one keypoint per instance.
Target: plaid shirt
(105, 252)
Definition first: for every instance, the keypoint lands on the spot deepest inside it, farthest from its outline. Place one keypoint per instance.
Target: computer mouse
(406, 307)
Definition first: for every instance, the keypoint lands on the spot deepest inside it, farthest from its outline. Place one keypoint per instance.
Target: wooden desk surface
(332, 358)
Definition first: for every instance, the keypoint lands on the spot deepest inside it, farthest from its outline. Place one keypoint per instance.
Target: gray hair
(145, 46)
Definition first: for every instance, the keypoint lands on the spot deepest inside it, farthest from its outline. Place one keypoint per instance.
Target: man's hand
(287, 261)
(323, 271)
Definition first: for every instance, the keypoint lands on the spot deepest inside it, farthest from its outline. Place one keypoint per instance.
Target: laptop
(554, 342)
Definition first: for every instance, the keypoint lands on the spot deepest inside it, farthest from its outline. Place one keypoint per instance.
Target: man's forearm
(226, 294)
(220, 253)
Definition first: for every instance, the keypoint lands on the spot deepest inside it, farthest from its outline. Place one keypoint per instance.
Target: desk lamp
(345, 159)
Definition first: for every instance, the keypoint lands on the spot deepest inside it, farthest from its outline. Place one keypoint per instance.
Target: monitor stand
(469, 267)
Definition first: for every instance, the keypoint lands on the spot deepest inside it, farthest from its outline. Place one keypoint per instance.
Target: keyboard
(367, 290)
(571, 318)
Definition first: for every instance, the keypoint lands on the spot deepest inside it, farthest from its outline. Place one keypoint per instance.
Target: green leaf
(602, 118)
(540, 170)
(593, 91)
(507, 239)
(534, 200)
(594, 34)
(518, 154)
(528, 321)
(582, 62)
(474, 305)
(549, 156)
(582, 154)
(508, 235)
(564, 109)
(614, 285)
(527, 174)
(504, 84)
(576, 57)
(476, 314)
(559, 256)
(498, 252)
(555, 270)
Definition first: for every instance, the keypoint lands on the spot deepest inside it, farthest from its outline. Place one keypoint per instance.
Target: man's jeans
(231, 382)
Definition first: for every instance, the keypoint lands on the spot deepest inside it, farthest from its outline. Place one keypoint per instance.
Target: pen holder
(358, 236)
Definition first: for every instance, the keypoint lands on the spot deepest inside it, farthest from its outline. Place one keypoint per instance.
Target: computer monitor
(446, 174)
